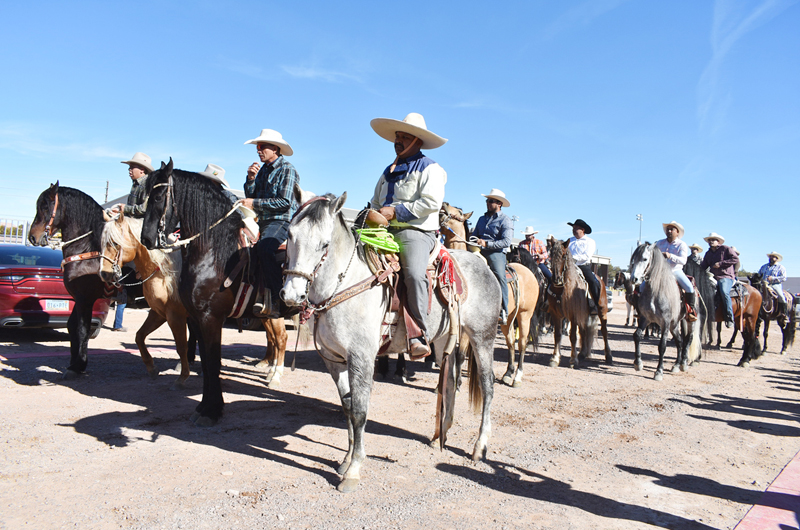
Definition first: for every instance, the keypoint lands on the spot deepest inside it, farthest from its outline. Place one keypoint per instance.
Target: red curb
(779, 507)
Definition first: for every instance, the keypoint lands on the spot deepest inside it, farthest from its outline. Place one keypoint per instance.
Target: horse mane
(317, 210)
(660, 277)
(84, 212)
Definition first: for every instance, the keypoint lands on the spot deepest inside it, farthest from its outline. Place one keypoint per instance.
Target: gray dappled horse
(660, 301)
(324, 259)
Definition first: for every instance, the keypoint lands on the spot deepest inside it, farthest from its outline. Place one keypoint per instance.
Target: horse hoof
(553, 364)
(70, 375)
(478, 454)
(508, 380)
(153, 374)
(275, 383)
(348, 485)
(744, 364)
(516, 384)
(658, 376)
(638, 366)
(179, 384)
(675, 369)
(262, 364)
(684, 367)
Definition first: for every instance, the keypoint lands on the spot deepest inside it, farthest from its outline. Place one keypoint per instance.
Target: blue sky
(684, 110)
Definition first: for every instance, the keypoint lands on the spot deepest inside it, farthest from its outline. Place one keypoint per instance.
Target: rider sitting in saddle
(696, 251)
(494, 231)
(676, 252)
(582, 247)
(721, 260)
(774, 274)
(139, 167)
(536, 249)
(269, 191)
(409, 194)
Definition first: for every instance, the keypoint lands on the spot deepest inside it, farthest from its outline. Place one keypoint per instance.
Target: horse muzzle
(294, 292)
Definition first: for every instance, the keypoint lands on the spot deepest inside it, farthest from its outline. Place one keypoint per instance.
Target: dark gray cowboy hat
(580, 223)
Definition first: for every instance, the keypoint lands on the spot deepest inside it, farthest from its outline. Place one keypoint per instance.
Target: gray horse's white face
(639, 264)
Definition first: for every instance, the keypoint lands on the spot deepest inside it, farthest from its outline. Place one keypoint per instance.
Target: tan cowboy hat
(269, 136)
(528, 231)
(140, 159)
(780, 258)
(714, 235)
(499, 195)
(551, 237)
(215, 173)
(249, 218)
(696, 247)
(677, 225)
(413, 124)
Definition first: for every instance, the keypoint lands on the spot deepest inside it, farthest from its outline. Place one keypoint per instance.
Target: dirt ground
(602, 447)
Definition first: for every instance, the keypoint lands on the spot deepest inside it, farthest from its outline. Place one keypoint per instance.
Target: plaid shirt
(777, 271)
(535, 246)
(272, 191)
(136, 199)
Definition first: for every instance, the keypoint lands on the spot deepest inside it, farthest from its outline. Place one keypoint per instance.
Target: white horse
(324, 260)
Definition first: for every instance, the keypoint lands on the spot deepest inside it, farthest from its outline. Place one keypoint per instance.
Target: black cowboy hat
(580, 223)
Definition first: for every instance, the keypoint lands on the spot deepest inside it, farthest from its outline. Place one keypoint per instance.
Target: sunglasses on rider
(494, 201)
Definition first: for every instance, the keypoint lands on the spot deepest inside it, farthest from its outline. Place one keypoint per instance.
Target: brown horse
(745, 317)
(568, 299)
(453, 226)
(522, 300)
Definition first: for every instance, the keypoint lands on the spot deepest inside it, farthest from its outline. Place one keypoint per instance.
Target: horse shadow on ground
(253, 424)
(508, 479)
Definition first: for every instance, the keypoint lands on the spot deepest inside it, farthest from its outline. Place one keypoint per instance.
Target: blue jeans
(122, 301)
(547, 274)
(683, 281)
(497, 262)
(273, 234)
(724, 289)
(779, 290)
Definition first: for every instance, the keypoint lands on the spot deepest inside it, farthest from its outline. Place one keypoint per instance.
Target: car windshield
(20, 255)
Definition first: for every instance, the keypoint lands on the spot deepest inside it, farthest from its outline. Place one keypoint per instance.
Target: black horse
(81, 222)
(706, 291)
(772, 310)
(176, 196)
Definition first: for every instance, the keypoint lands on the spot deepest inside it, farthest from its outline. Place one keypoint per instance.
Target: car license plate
(56, 305)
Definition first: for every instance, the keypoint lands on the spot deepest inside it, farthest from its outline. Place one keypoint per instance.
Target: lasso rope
(379, 238)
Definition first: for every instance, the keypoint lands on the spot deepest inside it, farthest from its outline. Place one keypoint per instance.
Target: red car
(32, 291)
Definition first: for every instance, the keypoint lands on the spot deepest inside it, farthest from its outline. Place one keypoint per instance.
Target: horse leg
(680, 345)
(276, 337)
(383, 366)
(662, 348)
(508, 334)
(177, 324)
(604, 331)
(766, 332)
(150, 324)
(209, 411)
(524, 322)
(573, 339)
(719, 335)
(400, 368)
(637, 338)
(268, 362)
(730, 346)
(356, 405)
(482, 388)
(628, 318)
(79, 326)
(555, 360)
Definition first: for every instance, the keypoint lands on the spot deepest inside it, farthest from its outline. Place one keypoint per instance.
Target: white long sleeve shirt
(678, 252)
(582, 249)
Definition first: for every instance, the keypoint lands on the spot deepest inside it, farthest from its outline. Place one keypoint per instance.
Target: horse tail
(588, 335)
(788, 336)
(695, 350)
(475, 394)
(533, 331)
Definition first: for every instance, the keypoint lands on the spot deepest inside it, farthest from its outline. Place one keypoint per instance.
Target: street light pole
(639, 218)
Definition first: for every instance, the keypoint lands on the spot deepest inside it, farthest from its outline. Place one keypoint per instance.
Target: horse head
(161, 216)
(48, 217)
(312, 236)
(454, 226)
(640, 262)
(117, 246)
(558, 260)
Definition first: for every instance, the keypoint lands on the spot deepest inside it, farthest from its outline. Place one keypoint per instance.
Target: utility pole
(105, 201)
(639, 218)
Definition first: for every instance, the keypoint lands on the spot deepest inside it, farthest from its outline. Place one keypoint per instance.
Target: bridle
(49, 228)
(161, 237)
(445, 217)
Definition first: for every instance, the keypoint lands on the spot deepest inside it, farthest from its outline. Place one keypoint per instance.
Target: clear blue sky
(601, 109)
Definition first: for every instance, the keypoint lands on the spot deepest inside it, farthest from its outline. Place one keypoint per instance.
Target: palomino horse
(323, 256)
(160, 272)
(210, 256)
(81, 221)
(660, 301)
(569, 300)
(771, 310)
(454, 226)
(521, 310)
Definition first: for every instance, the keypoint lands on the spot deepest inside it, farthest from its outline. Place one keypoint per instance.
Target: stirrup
(418, 349)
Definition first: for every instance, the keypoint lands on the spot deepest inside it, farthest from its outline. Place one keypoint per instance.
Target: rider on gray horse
(494, 231)
(409, 195)
(676, 252)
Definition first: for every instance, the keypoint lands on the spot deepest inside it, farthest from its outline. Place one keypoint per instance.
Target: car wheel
(251, 323)
(95, 332)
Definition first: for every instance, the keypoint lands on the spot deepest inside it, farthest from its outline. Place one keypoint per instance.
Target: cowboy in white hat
(537, 249)
(493, 232)
(409, 195)
(676, 252)
(139, 166)
(582, 248)
(721, 261)
(695, 250)
(774, 274)
(269, 191)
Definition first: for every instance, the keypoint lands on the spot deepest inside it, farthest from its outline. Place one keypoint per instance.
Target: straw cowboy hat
(696, 247)
(780, 258)
(580, 223)
(141, 160)
(714, 235)
(498, 195)
(677, 225)
(528, 231)
(413, 124)
(249, 218)
(269, 136)
(215, 173)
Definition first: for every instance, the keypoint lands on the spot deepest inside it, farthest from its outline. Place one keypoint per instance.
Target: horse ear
(565, 244)
(169, 166)
(338, 203)
(300, 195)
(467, 215)
(53, 189)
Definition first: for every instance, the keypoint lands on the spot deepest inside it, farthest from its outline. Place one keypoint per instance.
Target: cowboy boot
(419, 348)
(691, 314)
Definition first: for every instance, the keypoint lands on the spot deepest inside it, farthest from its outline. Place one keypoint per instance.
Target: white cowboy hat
(269, 136)
(215, 173)
(714, 235)
(780, 258)
(249, 218)
(413, 124)
(528, 231)
(698, 247)
(499, 195)
(140, 159)
(677, 225)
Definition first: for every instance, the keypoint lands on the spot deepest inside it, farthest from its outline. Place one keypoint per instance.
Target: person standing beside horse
(676, 252)
(721, 260)
(582, 247)
(269, 191)
(494, 231)
(537, 249)
(409, 194)
(774, 274)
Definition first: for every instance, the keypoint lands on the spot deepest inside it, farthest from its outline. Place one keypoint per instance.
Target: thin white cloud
(581, 15)
(26, 139)
(310, 72)
(301, 72)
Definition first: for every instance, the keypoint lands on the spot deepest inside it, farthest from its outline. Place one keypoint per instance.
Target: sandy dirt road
(602, 447)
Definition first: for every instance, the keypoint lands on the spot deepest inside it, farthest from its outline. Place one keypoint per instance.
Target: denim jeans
(683, 281)
(724, 289)
(273, 234)
(497, 262)
(122, 301)
(547, 274)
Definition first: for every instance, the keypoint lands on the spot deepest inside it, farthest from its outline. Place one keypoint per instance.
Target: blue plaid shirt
(272, 191)
(777, 271)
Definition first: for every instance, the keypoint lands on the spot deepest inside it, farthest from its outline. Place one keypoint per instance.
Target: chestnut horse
(568, 299)
(745, 317)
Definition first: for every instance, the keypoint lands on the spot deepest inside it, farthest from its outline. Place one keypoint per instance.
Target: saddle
(251, 275)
